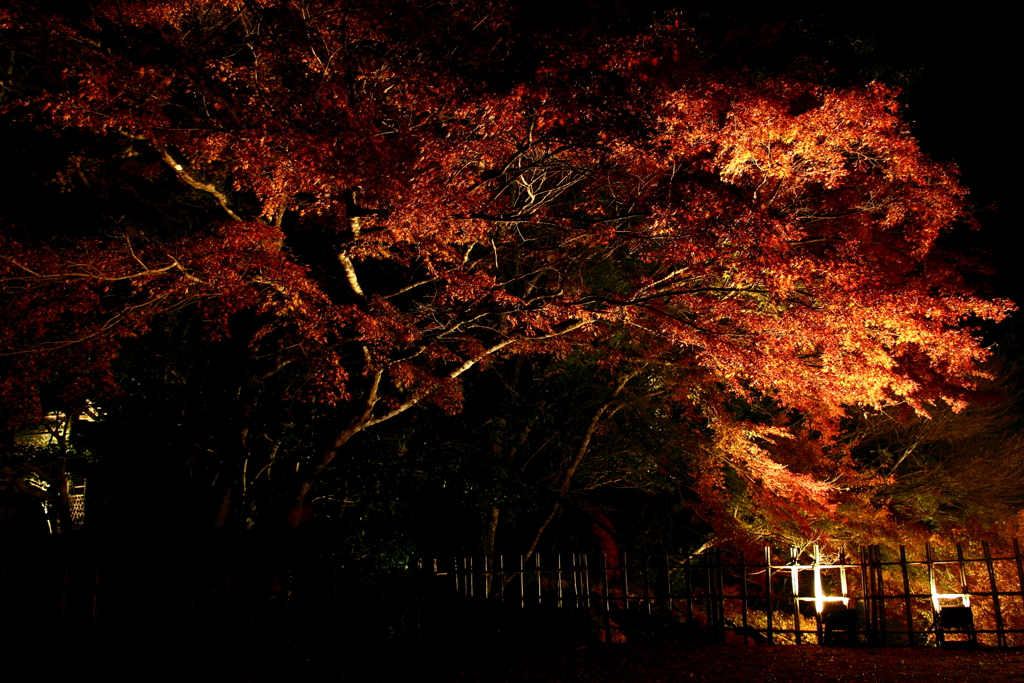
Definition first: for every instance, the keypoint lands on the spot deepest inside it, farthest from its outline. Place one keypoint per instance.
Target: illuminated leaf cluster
(394, 205)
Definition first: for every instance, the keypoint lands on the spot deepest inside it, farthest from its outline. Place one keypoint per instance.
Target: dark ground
(209, 656)
(664, 663)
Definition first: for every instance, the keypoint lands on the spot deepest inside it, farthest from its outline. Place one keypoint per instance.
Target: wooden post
(1020, 567)
(720, 586)
(743, 594)
(559, 580)
(794, 579)
(607, 597)
(842, 574)
(933, 586)
(536, 565)
(906, 595)
(1000, 632)
(625, 578)
(963, 568)
(689, 590)
(709, 593)
(883, 630)
(578, 585)
(818, 593)
(865, 594)
(647, 583)
(768, 591)
(607, 603)
(845, 586)
(586, 578)
(575, 582)
(668, 585)
(522, 585)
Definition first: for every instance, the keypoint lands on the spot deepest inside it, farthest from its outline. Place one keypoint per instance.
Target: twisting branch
(33, 275)
(610, 406)
(355, 224)
(355, 425)
(98, 331)
(364, 419)
(407, 288)
(192, 181)
(469, 363)
(350, 275)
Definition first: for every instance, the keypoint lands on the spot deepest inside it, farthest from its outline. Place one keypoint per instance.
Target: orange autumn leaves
(393, 211)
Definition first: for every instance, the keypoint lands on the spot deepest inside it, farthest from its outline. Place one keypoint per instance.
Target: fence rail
(897, 600)
(881, 595)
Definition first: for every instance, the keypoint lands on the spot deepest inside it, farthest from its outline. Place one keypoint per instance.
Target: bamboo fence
(888, 595)
(897, 596)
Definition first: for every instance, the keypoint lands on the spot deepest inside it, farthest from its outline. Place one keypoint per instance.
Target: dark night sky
(963, 112)
(960, 105)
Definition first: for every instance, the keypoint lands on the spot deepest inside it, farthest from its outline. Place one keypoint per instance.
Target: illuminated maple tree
(376, 198)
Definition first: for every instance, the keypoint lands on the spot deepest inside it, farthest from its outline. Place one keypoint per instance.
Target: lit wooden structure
(957, 617)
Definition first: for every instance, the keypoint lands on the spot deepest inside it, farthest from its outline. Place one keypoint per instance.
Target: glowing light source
(963, 596)
(819, 591)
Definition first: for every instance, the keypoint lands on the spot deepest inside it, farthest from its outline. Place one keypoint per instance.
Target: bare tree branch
(192, 181)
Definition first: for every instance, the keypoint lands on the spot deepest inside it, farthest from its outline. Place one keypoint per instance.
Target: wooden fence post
(932, 585)
(963, 568)
(743, 594)
(879, 585)
(710, 597)
(794, 579)
(906, 595)
(865, 594)
(1019, 560)
(647, 583)
(1000, 633)
(625, 578)
(720, 585)
(536, 565)
(607, 603)
(668, 585)
(768, 592)
(689, 590)
(577, 580)
(816, 565)
(233, 593)
(522, 585)
(558, 575)
(586, 578)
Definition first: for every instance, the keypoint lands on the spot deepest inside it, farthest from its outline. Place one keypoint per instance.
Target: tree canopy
(339, 213)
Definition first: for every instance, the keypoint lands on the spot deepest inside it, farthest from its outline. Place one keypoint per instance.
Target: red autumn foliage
(394, 203)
